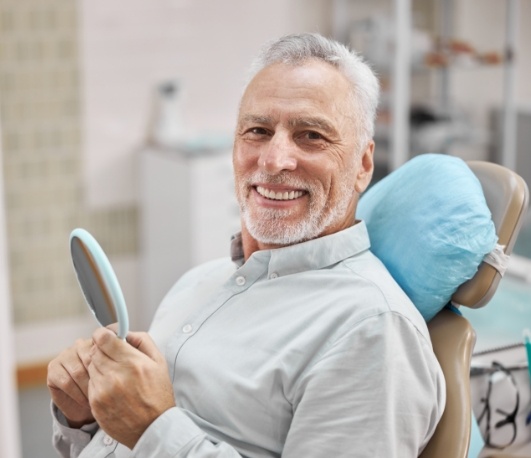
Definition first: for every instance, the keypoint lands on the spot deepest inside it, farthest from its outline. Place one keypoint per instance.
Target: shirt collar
(311, 255)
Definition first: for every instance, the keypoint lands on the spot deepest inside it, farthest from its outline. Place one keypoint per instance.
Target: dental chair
(453, 337)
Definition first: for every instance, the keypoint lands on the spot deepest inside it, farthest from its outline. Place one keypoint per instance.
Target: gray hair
(296, 49)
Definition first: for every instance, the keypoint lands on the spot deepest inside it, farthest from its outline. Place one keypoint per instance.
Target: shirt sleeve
(69, 442)
(378, 391)
(162, 441)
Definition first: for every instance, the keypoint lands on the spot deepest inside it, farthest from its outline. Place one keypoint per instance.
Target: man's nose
(278, 155)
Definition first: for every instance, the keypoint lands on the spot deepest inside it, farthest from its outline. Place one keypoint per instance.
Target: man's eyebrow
(255, 119)
(313, 121)
(317, 122)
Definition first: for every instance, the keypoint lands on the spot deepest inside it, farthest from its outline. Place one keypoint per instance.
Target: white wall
(128, 46)
(9, 434)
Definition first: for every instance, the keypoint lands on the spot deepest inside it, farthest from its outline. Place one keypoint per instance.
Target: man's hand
(129, 384)
(68, 381)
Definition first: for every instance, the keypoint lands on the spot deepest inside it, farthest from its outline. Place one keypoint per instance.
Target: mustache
(282, 178)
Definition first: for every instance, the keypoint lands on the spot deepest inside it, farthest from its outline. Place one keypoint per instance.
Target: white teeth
(279, 195)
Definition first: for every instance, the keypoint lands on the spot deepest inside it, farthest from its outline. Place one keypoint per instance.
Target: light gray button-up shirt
(311, 350)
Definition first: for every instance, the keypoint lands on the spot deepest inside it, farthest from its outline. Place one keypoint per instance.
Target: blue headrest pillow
(429, 224)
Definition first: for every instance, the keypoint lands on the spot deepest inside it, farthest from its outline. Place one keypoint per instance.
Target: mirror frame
(104, 272)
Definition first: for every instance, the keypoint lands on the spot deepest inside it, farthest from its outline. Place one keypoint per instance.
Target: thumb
(143, 342)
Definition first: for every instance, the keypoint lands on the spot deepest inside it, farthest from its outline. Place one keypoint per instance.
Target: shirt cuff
(172, 434)
(61, 424)
(70, 442)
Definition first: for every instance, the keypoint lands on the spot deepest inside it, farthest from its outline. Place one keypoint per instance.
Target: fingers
(107, 342)
(68, 381)
(114, 361)
(113, 327)
(69, 369)
(128, 388)
(143, 342)
(83, 352)
(118, 350)
(109, 350)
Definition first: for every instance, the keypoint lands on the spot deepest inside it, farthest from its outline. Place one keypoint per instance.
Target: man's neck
(250, 244)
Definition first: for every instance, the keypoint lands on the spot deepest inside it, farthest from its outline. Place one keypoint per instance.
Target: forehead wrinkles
(318, 83)
(256, 119)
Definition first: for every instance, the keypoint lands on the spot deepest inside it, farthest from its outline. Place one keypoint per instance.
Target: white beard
(272, 226)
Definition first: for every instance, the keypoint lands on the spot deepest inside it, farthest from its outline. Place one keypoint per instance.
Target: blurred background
(117, 116)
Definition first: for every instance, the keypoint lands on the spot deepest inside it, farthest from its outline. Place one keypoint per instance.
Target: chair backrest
(453, 337)
(507, 197)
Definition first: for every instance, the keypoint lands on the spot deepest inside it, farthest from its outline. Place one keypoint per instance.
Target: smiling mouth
(280, 195)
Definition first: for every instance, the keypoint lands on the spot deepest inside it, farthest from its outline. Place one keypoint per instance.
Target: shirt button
(273, 275)
(240, 281)
(187, 328)
(108, 440)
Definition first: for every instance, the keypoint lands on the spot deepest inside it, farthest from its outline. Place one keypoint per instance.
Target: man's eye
(257, 131)
(311, 135)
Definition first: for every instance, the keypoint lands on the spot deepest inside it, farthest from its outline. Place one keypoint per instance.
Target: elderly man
(302, 345)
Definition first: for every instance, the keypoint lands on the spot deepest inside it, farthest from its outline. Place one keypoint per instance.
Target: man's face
(297, 163)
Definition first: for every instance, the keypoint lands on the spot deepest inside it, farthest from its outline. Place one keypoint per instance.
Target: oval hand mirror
(98, 281)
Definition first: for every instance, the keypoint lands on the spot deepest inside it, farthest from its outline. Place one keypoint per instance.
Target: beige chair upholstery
(507, 196)
(452, 335)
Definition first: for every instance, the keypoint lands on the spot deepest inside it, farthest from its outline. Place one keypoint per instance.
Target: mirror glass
(98, 281)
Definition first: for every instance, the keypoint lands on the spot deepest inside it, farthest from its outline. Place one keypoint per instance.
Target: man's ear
(366, 168)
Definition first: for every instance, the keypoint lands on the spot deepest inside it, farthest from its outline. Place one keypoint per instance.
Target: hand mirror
(98, 281)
